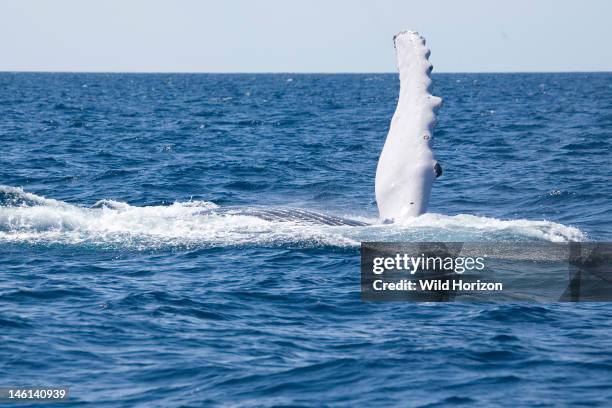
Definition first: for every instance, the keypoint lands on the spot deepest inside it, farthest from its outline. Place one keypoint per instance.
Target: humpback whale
(407, 169)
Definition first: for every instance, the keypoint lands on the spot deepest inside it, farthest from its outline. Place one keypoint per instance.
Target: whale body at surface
(407, 169)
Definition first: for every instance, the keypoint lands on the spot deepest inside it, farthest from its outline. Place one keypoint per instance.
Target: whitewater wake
(29, 218)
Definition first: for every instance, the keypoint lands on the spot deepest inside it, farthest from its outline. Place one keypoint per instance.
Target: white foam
(110, 223)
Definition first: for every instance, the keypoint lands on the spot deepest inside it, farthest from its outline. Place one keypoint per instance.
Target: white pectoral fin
(406, 168)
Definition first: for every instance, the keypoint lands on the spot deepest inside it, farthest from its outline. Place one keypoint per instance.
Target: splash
(29, 218)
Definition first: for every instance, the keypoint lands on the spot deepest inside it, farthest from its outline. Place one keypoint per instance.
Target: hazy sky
(302, 36)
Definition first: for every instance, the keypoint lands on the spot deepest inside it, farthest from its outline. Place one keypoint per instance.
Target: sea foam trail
(29, 218)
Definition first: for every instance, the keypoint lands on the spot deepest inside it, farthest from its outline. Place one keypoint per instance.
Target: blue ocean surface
(124, 277)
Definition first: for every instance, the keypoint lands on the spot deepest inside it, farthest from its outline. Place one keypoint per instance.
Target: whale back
(407, 169)
(287, 214)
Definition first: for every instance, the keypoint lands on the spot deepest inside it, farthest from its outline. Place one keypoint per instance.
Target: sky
(302, 36)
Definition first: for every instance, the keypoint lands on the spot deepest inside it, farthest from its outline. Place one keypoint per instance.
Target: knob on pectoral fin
(438, 169)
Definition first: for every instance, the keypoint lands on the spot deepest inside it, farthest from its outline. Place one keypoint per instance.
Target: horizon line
(293, 72)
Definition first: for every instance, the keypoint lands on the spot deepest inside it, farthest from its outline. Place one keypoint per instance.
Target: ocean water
(123, 277)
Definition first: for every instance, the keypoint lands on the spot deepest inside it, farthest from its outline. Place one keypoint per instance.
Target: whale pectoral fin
(404, 175)
(438, 169)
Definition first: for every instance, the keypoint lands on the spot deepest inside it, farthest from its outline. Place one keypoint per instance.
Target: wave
(29, 218)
